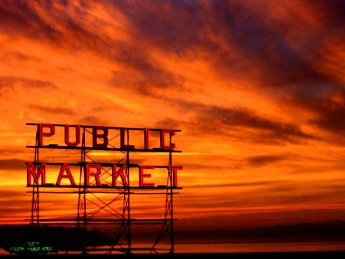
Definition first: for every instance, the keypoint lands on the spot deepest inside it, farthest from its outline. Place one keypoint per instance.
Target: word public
(100, 137)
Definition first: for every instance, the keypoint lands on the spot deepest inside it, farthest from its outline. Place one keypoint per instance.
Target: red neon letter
(174, 172)
(121, 173)
(95, 174)
(36, 174)
(65, 168)
(96, 135)
(122, 140)
(146, 138)
(142, 176)
(77, 136)
(42, 134)
(163, 145)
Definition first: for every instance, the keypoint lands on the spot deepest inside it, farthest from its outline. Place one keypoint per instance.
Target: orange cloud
(257, 89)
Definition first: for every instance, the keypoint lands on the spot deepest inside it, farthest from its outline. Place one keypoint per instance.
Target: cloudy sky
(257, 88)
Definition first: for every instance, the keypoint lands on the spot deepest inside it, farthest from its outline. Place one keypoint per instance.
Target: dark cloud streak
(12, 164)
(244, 184)
(220, 119)
(7, 81)
(52, 110)
(264, 160)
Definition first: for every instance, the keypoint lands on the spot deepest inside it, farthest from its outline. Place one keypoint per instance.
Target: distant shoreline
(319, 254)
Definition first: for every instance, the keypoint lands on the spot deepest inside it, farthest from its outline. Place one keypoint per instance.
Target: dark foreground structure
(40, 240)
(107, 188)
(55, 241)
(328, 254)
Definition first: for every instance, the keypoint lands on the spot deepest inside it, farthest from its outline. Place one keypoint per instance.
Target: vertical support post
(126, 207)
(81, 215)
(168, 226)
(171, 194)
(35, 205)
(127, 195)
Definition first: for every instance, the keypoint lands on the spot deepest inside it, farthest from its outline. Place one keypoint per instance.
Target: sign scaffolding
(115, 193)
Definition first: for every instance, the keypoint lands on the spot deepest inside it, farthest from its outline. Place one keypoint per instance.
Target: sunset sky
(257, 88)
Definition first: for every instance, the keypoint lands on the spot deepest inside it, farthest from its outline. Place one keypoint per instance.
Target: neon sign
(31, 247)
(98, 138)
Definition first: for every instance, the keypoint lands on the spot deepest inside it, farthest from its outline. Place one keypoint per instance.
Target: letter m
(36, 172)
